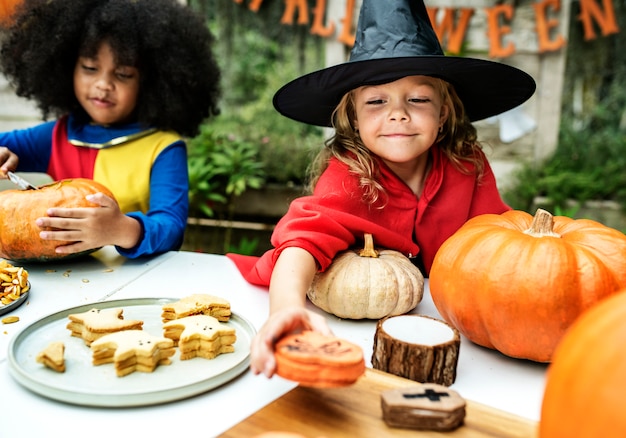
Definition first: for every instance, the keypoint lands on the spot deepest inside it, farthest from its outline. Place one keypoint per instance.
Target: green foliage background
(249, 144)
(590, 159)
(257, 56)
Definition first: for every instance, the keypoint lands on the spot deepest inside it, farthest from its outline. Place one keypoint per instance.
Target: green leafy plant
(204, 192)
(587, 164)
(221, 168)
(250, 144)
(284, 146)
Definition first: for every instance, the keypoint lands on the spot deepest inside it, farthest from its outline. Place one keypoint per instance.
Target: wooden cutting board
(355, 411)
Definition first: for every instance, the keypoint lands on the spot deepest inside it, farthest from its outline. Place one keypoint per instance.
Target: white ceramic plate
(89, 385)
(6, 308)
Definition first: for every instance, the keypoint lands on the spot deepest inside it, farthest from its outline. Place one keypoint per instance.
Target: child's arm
(163, 226)
(291, 278)
(32, 146)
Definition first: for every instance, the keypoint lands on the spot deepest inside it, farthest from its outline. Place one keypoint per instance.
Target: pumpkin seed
(10, 319)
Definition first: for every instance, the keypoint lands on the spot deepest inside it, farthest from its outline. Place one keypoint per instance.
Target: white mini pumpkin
(368, 284)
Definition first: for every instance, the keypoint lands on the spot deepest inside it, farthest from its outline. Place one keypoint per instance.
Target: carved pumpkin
(586, 381)
(368, 284)
(19, 235)
(515, 283)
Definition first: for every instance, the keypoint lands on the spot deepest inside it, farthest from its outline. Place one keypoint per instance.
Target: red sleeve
(333, 219)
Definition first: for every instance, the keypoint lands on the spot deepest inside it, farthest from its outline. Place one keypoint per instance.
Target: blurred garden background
(584, 175)
(249, 162)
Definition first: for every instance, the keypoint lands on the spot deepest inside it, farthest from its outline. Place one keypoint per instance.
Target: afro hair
(167, 41)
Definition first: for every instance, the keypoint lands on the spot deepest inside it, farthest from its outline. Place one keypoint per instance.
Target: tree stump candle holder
(417, 347)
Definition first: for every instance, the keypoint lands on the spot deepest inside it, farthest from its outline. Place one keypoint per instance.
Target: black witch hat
(395, 39)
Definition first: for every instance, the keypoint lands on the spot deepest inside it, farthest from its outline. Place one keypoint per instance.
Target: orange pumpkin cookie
(197, 304)
(53, 356)
(132, 350)
(96, 323)
(200, 336)
(317, 360)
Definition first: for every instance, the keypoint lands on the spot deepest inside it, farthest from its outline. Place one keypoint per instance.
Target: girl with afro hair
(119, 83)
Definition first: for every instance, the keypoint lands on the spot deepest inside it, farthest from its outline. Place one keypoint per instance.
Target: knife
(21, 182)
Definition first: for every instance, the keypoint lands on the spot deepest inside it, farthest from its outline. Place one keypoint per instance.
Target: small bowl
(6, 308)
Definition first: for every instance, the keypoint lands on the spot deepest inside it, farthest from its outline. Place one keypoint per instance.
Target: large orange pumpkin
(515, 283)
(586, 382)
(19, 235)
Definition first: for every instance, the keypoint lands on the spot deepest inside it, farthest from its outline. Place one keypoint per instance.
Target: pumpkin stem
(368, 247)
(543, 225)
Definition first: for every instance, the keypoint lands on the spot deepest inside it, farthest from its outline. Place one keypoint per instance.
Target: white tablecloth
(483, 375)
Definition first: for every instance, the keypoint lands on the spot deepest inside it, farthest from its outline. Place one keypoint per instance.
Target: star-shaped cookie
(200, 336)
(132, 350)
(94, 323)
(197, 304)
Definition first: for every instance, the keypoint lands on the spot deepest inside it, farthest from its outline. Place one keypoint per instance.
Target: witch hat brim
(395, 39)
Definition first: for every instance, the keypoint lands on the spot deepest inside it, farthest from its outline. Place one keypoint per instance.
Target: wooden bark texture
(421, 363)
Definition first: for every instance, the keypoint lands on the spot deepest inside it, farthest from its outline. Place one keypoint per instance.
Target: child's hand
(8, 161)
(89, 228)
(281, 323)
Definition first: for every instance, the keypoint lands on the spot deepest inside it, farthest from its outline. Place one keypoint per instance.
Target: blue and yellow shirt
(146, 170)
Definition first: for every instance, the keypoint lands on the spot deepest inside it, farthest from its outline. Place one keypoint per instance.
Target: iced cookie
(197, 304)
(200, 336)
(95, 323)
(132, 350)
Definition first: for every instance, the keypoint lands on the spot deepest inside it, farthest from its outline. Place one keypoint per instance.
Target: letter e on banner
(545, 25)
(495, 32)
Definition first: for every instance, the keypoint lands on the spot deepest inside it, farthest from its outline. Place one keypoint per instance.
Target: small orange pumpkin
(586, 381)
(19, 235)
(515, 283)
(368, 284)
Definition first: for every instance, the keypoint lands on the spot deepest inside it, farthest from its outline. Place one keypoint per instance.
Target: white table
(483, 375)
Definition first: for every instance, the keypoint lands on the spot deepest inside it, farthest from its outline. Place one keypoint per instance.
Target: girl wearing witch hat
(404, 163)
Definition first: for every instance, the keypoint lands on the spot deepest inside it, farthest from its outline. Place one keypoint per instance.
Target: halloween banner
(597, 18)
